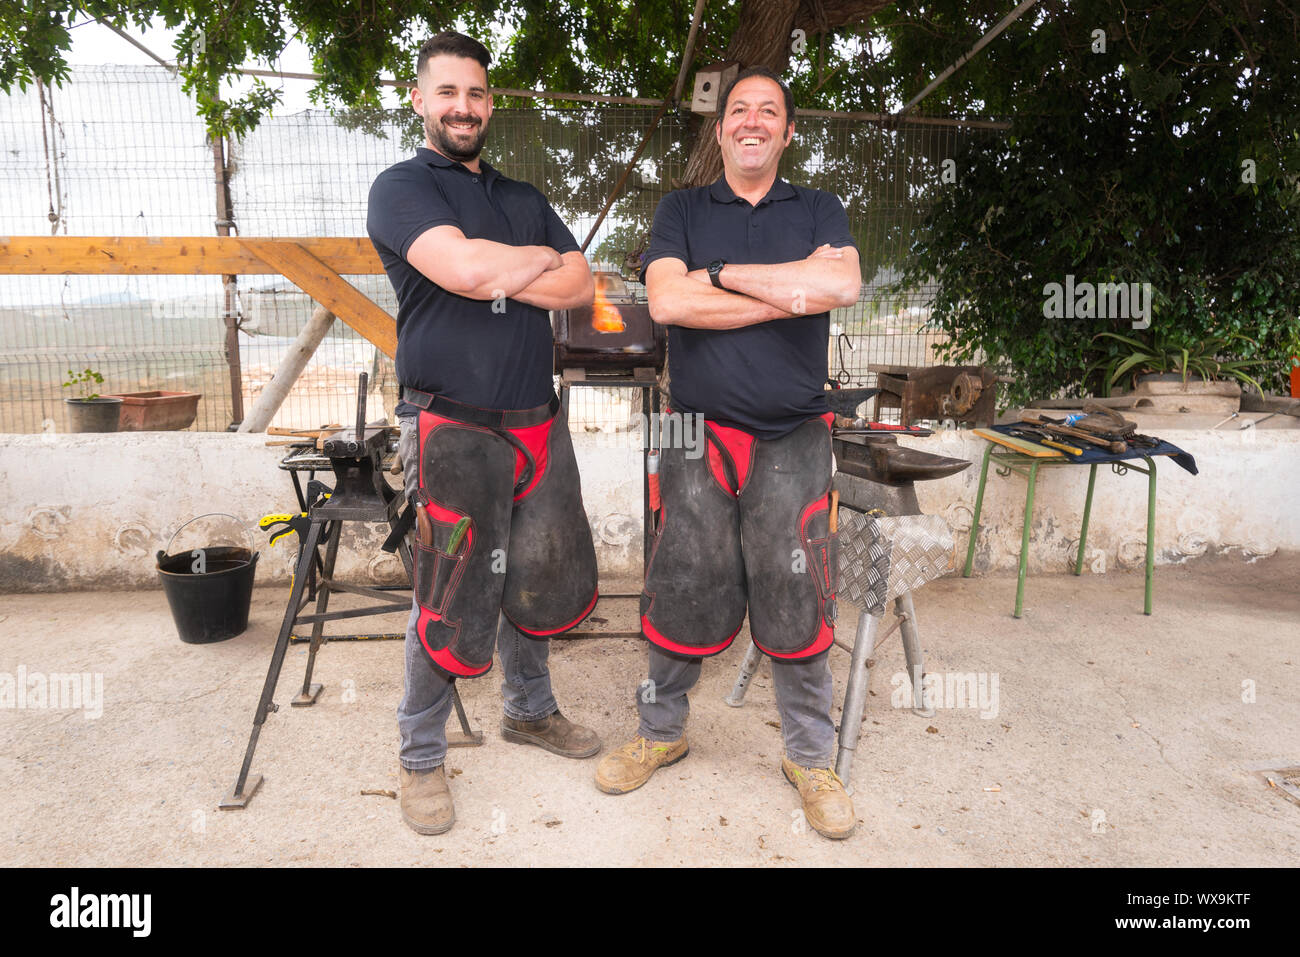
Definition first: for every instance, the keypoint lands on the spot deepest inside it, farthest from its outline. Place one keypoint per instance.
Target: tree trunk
(763, 38)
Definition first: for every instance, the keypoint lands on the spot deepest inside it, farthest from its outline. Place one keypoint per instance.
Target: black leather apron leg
(550, 581)
(693, 602)
(464, 471)
(784, 523)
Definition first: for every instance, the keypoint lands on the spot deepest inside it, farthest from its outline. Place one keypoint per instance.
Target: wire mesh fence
(119, 151)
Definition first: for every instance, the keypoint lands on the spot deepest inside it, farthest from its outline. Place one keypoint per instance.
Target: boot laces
(641, 747)
(823, 779)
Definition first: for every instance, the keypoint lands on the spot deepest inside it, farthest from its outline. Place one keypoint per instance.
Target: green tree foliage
(1166, 154)
(1169, 157)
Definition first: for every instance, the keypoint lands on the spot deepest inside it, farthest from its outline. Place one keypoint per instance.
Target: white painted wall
(90, 511)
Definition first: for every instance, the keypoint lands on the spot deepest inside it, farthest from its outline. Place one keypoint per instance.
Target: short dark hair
(762, 71)
(454, 44)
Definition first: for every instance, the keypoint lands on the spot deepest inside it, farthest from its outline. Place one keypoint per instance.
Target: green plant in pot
(88, 411)
(1159, 355)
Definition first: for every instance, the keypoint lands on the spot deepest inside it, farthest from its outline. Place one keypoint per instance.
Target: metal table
(1009, 461)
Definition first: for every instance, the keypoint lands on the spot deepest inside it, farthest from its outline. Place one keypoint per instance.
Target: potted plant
(88, 411)
(1178, 376)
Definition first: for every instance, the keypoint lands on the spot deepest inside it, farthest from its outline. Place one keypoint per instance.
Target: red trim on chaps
(663, 641)
(740, 445)
(535, 439)
(825, 635)
(555, 631)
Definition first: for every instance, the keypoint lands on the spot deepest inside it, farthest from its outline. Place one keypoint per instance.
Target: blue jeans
(803, 700)
(426, 704)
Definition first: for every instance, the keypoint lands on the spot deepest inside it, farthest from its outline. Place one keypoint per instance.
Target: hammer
(1117, 448)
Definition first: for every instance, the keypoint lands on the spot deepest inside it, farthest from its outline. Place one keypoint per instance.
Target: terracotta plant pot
(157, 411)
(99, 414)
(1295, 377)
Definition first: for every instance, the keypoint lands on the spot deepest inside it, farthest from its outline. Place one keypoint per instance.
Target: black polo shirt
(449, 345)
(766, 378)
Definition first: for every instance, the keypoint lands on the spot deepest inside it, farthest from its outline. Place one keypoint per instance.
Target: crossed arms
(827, 279)
(483, 269)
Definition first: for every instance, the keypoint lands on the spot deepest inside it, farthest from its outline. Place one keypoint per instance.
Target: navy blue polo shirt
(766, 378)
(447, 344)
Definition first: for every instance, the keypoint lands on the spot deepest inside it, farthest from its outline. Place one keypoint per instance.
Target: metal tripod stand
(360, 494)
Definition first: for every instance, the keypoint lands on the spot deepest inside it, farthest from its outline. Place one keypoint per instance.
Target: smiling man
(744, 273)
(504, 555)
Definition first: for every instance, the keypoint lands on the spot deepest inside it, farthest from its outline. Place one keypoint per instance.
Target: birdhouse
(709, 83)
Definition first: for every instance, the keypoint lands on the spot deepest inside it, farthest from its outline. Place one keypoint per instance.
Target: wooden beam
(172, 255)
(329, 289)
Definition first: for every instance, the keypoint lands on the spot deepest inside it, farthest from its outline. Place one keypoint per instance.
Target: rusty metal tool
(1055, 428)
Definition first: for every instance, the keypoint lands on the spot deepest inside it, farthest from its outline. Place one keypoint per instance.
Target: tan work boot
(631, 765)
(426, 800)
(555, 733)
(825, 804)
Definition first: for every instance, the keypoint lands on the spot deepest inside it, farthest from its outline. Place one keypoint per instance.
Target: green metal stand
(1028, 466)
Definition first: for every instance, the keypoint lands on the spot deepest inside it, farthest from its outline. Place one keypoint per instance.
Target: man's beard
(451, 148)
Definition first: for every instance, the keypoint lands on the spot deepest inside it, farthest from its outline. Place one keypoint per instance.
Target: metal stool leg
(310, 692)
(239, 797)
(975, 518)
(855, 696)
(911, 636)
(1024, 539)
(1151, 532)
(1087, 512)
(747, 668)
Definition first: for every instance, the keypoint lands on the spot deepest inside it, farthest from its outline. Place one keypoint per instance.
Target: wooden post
(230, 312)
(272, 397)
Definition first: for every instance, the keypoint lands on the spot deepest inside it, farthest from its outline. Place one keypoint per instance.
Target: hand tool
(833, 556)
(1062, 446)
(423, 525)
(293, 524)
(457, 533)
(1251, 423)
(652, 483)
(1100, 417)
(1114, 446)
(1221, 421)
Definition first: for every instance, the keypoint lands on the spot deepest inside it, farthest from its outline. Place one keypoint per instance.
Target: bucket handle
(251, 548)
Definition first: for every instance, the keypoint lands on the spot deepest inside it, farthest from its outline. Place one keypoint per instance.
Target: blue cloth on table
(1095, 454)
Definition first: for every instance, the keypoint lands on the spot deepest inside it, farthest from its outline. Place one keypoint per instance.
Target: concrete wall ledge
(90, 511)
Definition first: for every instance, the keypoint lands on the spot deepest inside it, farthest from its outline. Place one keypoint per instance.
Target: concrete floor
(1118, 740)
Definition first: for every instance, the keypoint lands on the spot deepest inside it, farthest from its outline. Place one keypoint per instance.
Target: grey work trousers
(803, 700)
(426, 704)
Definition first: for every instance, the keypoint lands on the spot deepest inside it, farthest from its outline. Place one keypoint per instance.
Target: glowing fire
(605, 317)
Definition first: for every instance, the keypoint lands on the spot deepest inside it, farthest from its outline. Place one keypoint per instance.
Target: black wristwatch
(714, 268)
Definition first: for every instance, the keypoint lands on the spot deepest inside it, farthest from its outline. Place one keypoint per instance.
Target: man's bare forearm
(568, 287)
(682, 301)
(805, 287)
(496, 269)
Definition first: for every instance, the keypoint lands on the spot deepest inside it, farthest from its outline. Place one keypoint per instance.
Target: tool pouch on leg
(438, 572)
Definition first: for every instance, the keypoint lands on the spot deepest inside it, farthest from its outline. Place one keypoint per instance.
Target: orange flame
(604, 316)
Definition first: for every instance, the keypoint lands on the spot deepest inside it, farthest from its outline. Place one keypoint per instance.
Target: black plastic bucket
(209, 590)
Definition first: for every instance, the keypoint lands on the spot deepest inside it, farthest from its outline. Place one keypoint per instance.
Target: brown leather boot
(426, 800)
(629, 767)
(825, 804)
(555, 733)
